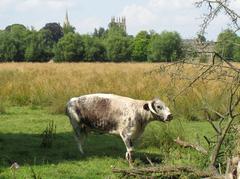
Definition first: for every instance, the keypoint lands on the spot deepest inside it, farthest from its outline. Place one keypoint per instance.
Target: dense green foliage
(118, 45)
(55, 30)
(228, 45)
(140, 46)
(94, 49)
(70, 48)
(166, 46)
(13, 43)
(39, 46)
(18, 43)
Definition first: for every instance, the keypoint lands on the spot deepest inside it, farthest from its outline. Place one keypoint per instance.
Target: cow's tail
(71, 111)
(76, 124)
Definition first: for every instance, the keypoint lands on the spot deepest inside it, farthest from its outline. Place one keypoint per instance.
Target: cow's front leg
(129, 146)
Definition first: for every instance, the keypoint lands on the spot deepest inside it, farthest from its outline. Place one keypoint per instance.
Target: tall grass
(52, 85)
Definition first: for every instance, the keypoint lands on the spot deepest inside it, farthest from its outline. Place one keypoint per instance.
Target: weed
(48, 135)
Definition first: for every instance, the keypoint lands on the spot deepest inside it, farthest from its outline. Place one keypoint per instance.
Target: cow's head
(159, 110)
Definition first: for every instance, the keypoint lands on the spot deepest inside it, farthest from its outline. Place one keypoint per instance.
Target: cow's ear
(145, 106)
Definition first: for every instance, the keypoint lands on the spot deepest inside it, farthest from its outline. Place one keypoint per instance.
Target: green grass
(20, 140)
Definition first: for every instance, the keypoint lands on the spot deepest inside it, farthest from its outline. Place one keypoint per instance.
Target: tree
(94, 49)
(68, 29)
(13, 42)
(69, 48)
(140, 46)
(118, 48)
(55, 30)
(114, 29)
(39, 46)
(166, 46)
(8, 47)
(225, 43)
(15, 27)
(100, 33)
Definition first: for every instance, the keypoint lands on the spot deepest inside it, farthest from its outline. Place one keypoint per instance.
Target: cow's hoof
(129, 158)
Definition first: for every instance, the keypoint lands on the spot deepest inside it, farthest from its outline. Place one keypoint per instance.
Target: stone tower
(118, 21)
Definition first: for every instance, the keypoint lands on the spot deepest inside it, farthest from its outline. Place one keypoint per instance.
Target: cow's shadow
(26, 149)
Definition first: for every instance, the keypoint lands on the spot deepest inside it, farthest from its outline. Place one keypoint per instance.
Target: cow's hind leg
(80, 132)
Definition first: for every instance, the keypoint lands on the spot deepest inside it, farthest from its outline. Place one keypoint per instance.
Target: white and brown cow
(114, 114)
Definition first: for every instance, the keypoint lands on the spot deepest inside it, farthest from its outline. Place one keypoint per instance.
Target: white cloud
(171, 4)
(4, 4)
(87, 24)
(138, 17)
(53, 4)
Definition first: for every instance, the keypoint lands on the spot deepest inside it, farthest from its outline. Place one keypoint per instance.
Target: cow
(114, 114)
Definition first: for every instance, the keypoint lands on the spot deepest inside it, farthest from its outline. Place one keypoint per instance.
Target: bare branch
(220, 140)
(215, 7)
(150, 162)
(190, 145)
(194, 81)
(211, 122)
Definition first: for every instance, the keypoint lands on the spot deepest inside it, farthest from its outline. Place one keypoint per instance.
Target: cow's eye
(160, 107)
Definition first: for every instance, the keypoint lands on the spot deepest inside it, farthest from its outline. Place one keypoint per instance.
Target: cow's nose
(169, 117)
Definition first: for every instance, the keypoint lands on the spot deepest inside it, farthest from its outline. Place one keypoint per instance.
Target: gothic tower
(66, 21)
(118, 21)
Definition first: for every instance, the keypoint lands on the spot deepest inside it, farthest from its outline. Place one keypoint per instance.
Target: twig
(190, 145)
(212, 124)
(149, 160)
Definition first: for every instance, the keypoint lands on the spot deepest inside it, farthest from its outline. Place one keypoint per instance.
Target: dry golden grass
(52, 85)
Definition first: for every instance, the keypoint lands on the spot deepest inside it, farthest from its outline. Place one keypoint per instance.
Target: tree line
(53, 42)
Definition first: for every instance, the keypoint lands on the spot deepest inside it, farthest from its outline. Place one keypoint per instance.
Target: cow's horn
(151, 109)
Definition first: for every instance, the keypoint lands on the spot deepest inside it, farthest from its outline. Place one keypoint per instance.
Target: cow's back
(101, 111)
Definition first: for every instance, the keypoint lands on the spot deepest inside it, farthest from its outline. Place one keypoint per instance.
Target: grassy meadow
(32, 95)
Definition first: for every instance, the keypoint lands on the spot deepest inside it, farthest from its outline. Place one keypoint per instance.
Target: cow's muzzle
(169, 117)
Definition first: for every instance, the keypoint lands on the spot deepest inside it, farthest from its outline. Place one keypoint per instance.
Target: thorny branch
(215, 7)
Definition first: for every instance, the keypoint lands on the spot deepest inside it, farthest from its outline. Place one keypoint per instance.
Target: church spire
(66, 21)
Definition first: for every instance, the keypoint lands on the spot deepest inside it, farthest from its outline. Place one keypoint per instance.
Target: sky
(85, 15)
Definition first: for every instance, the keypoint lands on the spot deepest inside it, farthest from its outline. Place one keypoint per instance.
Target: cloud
(178, 15)
(171, 4)
(87, 24)
(53, 4)
(4, 4)
(138, 17)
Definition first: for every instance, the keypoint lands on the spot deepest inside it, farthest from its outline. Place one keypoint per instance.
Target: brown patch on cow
(97, 114)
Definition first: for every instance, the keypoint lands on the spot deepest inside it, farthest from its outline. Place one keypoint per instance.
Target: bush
(69, 48)
(166, 46)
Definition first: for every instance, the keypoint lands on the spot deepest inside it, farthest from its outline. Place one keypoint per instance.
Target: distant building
(118, 21)
(67, 26)
(201, 48)
(66, 22)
